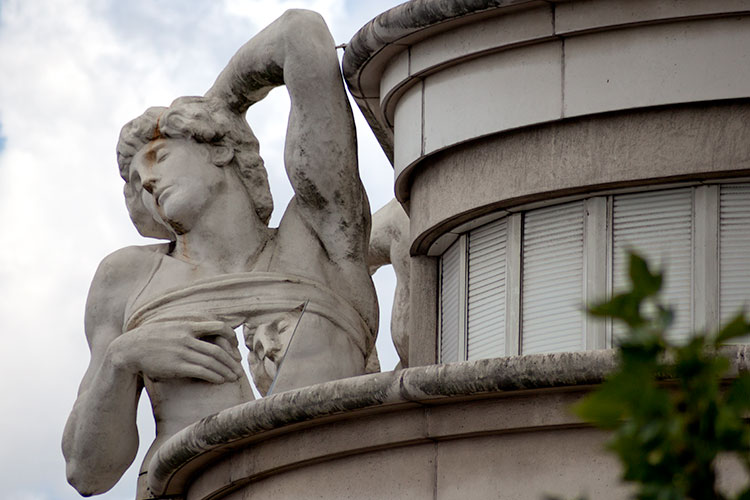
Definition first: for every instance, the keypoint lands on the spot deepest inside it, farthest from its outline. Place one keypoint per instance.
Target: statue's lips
(159, 196)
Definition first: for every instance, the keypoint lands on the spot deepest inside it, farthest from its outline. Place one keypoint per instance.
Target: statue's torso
(288, 253)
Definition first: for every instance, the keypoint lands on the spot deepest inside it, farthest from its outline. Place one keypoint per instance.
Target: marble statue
(162, 317)
(389, 244)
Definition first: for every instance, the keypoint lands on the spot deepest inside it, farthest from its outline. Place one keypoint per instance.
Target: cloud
(74, 72)
(260, 13)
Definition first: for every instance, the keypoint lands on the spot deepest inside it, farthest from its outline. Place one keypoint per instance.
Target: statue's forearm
(100, 439)
(265, 61)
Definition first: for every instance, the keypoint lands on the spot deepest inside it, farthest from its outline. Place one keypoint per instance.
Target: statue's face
(142, 219)
(176, 181)
(268, 346)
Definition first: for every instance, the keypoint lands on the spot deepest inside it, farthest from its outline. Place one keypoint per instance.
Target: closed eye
(161, 156)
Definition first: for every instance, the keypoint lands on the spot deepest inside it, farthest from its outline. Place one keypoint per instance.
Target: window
(552, 281)
(486, 291)
(518, 285)
(734, 250)
(659, 225)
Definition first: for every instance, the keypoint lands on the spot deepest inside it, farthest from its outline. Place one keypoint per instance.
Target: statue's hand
(206, 350)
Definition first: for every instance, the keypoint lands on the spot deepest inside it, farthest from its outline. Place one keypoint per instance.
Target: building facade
(534, 143)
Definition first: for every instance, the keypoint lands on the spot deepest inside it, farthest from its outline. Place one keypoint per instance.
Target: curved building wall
(543, 115)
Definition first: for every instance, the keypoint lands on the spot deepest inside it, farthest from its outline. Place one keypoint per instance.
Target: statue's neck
(228, 237)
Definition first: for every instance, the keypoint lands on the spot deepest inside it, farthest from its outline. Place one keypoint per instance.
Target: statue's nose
(148, 179)
(266, 342)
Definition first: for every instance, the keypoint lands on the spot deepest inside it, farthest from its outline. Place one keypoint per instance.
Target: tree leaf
(645, 283)
(737, 327)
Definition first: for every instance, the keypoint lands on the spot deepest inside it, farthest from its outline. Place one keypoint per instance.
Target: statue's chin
(270, 368)
(263, 372)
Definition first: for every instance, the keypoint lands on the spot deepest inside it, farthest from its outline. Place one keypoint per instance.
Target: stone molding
(576, 158)
(181, 458)
(416, 69)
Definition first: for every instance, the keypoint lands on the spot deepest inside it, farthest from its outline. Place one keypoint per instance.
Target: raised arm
(321, 151)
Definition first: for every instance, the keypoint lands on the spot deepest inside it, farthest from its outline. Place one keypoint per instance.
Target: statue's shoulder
(123, 269)
(130, 259)
(119, 276)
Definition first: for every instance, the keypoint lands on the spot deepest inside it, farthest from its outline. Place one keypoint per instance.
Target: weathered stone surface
(422, 327)
(436, 402)
(338, 397)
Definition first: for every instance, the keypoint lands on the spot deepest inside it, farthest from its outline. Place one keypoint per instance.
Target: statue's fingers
(219, 328)
(203, 328)
(201, 372)
(207, 362)
(230, 348)
(220, 359)
(228, 333)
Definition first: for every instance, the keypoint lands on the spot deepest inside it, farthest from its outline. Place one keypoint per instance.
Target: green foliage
(669, 406)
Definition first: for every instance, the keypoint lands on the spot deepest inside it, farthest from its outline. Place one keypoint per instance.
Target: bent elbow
(85, 483)
(303, 22)
(303, 15)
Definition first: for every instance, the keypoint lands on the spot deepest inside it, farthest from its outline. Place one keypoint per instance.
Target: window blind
(552, 279)
(659, 226)
(486, 291)
(734, 250)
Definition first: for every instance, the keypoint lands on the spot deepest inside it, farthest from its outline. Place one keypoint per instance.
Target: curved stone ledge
(405, 20)
(176, 463)
(402, 24)
(685, 144)
(418, 68)
(384, 37)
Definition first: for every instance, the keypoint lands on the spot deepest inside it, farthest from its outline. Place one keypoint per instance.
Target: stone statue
(389, 244)
(163, 316)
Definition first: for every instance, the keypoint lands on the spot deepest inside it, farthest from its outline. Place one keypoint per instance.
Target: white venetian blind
(552, 282)
(486, 290)
(450, 303)
(734, 250)
(659, 226)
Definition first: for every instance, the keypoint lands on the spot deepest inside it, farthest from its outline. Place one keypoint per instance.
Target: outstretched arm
(321, 151)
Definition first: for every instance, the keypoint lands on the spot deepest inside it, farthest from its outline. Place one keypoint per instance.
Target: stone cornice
(180, 457)
(405, 20)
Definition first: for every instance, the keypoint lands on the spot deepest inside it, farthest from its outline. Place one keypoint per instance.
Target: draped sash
(254, 298)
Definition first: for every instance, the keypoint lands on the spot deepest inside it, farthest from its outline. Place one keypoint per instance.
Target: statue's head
(206, 122)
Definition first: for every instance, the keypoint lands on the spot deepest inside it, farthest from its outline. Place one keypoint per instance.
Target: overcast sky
(72, 73)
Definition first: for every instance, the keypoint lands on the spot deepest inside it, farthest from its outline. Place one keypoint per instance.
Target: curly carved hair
(205, 121)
